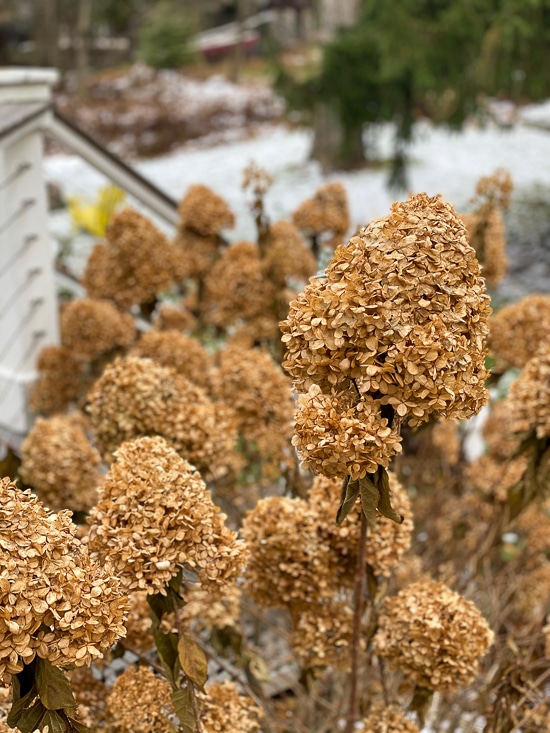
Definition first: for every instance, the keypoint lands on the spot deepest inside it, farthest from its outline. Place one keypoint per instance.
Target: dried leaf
(185, 709)
(167, 648)
(384, 501)
(348, 497)
(193, 660)
(53, 686)
(370, 497)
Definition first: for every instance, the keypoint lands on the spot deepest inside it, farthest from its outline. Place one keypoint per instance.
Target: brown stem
(359, 592)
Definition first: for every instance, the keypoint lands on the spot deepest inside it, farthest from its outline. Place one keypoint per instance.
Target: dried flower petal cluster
(529, 397)
(325, 214)
(58, 383)
(155, 516)
(60, 464)
(388, 720)
(135, 264)
(135, 397)
(56, 602)
(518, 331)
(172, 317)
(287, 257)
(433, 635)
(204, 212)
(184, 354)
(487, 235)
(446, 439)
(226, 710)
(140, 702)
(386, 544)
(322, 635)
(91, 327)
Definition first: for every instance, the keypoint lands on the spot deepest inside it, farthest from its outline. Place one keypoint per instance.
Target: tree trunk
(334, 147)
(82, 41)
(237, 56)
(47, 27)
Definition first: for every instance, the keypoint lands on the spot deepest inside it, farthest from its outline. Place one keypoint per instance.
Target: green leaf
(193, 660)
(56, 723)
(384, 501)
(185, 709)
(19, 703)
(53, 686)
(159, 605)
(167, 648)
(370, 496)
(348, 497)
(31, 717)
(76, 725)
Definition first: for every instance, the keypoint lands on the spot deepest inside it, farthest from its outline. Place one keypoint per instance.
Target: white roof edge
(26, 84)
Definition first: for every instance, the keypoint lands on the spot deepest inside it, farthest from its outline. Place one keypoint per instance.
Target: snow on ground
(441, 162)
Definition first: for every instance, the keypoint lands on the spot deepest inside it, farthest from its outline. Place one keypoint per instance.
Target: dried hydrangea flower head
(387, 543)
(518, 331)
(226, 710)
(56, 601)
(322, 635)
(58, 383)
(487, 235)
(325, 214)
(91, 327)
(140, 702)
(60, 464)
(135, 397)
(155, 516)
(388, 720)
(288, 565)
(529, 397)
(176, 317)
(260, 394)
(433, 635)
(235, 289)
(395, 331)
(496, 188)
(135, 264)
(446, 438)
(287, 257)
(204, 212)
(184, 354)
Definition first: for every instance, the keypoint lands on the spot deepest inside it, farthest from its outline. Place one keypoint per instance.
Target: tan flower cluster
(399, 325)
(496, 188)
(90, 327)
(388, 720)
(433, 635)
(226, 710)
(260, 394)
(493, 477)
(90, 694)
(135, 397)
(532, 590)
(199, 253)
(139, 637)
(386, 544)
(518, 331)
(288, 565)
(206, 610)
(155, 515)
(322, 634)
(171, 317)
(204, 212)
(546, 632)
(184, 354)
(529, 397)
(135, 264)
(288, 258)
(58, 383)
(497, 431)
(326, 213)
(338, 435)
(487, 235)
(60, 464)
(446, 438)
(236, 290)
(56, 602)
(140, 702)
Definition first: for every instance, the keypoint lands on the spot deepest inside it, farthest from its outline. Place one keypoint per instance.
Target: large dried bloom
(386, 544)
(140, 702)
(529, 397)
(204, 212)
(136, 263)
(322, 635)
(494, 478)
(60, 464)
(90, 694)
(236, 290)
(518, 331)
(433, 635)
(226, 710)
(496, 188)
(260, 394)
(135, 397)
(184, 354)
(532, 591)
(287, 256)
(388, 720)
(168, 317)
(487, 236)
(446, 438)
(58, 383)
(402, 313)
(139, 636)
(288, 565)
(205, 609)
(325, 214)
(199, 253)
(337, 435)
(155, 516)
(90, 327)
(56, 601)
